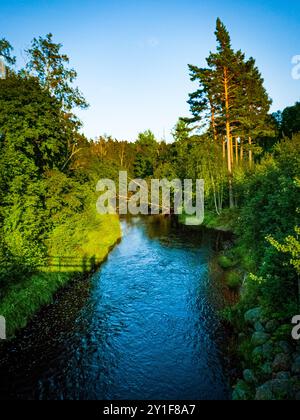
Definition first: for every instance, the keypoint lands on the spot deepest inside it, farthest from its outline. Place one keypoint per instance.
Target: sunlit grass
(86, 242)
(226, 221)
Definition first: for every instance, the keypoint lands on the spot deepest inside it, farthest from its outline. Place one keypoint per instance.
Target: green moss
(234, 280)
(282, 333)
(245, 351)
(244, 256)
(225, 262)
(242, 391)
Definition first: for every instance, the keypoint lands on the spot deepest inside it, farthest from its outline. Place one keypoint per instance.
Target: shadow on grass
(12, 273)
(69, 264)
(22, 297)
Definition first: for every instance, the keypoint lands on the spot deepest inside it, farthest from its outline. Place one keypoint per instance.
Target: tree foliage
(6, 50)
(49, 64)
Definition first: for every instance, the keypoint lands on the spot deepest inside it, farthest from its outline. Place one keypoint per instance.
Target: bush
(234, 280)
(225, 262)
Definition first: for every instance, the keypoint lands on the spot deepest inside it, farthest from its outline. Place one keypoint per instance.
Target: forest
(248, 157)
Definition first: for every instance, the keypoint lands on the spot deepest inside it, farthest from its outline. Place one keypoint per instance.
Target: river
(145, 326)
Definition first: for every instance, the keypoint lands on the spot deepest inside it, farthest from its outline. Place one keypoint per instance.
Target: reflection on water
(145, 327)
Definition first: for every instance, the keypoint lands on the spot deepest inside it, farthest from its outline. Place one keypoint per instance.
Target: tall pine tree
(230, 101)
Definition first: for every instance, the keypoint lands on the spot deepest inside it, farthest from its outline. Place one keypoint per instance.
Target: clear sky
(132, 56)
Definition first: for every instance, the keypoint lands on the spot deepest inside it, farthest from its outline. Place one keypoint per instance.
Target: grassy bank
(269, 358)
(79, 245)
(223, 222)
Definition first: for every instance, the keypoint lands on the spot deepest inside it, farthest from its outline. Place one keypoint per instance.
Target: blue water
(147, 326)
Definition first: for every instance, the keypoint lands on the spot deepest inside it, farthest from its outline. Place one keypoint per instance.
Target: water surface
(145, 327)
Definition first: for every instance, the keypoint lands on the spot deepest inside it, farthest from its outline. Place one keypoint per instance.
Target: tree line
(248, 158)
(40, 192)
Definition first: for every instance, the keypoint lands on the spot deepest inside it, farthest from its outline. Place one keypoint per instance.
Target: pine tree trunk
(122, 154)
(229, 163)
(242, 151)
(250, 152)
(213, 122)
(229, 139)
(224, 148)
(221, 195)
(236, 151)
(215, 196)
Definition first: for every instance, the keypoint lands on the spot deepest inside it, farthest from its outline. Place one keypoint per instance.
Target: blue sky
(132, 56)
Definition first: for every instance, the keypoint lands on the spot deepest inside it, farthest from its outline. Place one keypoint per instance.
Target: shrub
(234, 279)
(225, 262)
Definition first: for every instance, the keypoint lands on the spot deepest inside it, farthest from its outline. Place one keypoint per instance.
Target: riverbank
(121, 334)
(87, 244)
(268, 356)
(223, 222)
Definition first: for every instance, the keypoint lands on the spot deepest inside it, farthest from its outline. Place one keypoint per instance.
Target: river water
(145, 326)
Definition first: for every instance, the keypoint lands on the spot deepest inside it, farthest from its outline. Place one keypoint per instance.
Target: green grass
(91, 240)
(240, 254)
(24, 299)
(88, 235)
(244, 256)
(225, 262)
(226, 221)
